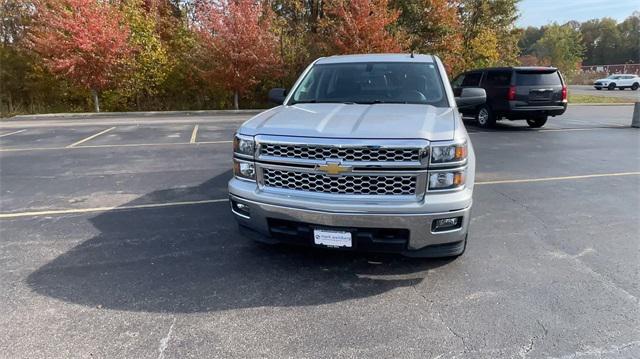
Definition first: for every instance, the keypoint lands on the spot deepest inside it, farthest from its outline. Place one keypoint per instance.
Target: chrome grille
(351, 154)
(378, 185)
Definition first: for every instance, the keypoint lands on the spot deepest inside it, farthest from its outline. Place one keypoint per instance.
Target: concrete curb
(86, 115)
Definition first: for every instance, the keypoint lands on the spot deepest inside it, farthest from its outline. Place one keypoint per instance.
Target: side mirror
(471, 97)
(277, 95)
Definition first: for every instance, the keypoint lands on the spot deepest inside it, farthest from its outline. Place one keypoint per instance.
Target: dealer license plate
(332, 238)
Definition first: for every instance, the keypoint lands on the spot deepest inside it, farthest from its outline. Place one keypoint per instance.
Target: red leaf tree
(363, 26)
(84, 41)
(238, 47)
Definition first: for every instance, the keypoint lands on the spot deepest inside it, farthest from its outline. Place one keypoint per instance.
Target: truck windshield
(372, 82)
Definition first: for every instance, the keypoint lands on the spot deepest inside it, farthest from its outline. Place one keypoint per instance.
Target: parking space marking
(113, 145)
(565, 178)
(194, 134)
(10, 215)
(11, 133)
(104, 209)
(90, 137)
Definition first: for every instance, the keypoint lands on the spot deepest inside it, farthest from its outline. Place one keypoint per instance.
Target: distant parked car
(515, 93)
(621, 81)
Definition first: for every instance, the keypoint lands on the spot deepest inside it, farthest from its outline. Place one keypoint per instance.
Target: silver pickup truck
(366, 152)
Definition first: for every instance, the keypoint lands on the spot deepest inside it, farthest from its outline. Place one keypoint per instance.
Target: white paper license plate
(332, 238)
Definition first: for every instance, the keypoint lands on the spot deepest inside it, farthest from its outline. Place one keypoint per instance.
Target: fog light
(240, 209)
(445, 224)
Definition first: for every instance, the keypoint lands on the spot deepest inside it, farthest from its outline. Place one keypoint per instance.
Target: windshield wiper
(378, 101)
(303, 101)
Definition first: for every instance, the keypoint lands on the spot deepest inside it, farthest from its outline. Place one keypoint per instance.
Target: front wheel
(485, 117)
(537, 122)
(611, 87)
(598, 88)
(635, 86)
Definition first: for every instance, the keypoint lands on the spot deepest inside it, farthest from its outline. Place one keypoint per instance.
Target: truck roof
(341, 59)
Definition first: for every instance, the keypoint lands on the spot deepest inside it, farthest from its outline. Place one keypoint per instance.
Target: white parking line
(113, 145)
(194, 134)
(11, 133)
(545, 179)
(103, 209)
(90, 137)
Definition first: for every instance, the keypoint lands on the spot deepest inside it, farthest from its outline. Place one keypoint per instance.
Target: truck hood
(337, 120)
(604, 80)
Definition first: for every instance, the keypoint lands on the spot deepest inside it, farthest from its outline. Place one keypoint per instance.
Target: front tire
(598, 88)
(485, 117)
(635, 86)
(537, 122)
(611, 87)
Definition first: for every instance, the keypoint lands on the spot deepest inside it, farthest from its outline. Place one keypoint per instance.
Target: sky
(542, 12)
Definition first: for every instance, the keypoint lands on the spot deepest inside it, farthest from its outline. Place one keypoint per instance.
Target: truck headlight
(244, 170)
(444, 180)
(243, 145)
(453, 152)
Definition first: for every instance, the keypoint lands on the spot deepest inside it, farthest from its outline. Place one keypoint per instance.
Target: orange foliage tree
(237, 46)
(363, 26)
(84, 41)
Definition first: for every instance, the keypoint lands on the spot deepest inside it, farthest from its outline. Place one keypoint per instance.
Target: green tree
(562, 47)
(630, 39)
(528, 39)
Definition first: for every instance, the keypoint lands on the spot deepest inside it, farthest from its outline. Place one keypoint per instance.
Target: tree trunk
(96, 100)
(235, 101)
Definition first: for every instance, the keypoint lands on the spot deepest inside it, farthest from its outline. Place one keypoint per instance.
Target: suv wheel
(635, 86)
(611, 87)
(485, 117)
(537, 122)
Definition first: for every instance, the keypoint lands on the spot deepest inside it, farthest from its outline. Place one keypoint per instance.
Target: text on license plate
(332, 238)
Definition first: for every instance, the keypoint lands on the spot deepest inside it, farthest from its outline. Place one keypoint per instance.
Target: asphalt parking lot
(116, 241)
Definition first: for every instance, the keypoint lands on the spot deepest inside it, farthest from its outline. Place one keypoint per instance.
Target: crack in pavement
(164, 342)
(576, 260)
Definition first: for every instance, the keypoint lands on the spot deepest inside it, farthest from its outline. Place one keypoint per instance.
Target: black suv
(515, 93)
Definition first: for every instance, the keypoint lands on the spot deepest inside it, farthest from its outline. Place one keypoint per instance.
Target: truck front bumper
(413, 235)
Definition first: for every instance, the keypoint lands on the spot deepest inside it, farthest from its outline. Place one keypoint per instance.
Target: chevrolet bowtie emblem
(333, 168)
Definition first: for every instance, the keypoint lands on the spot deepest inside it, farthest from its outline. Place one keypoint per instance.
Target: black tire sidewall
(537, 122)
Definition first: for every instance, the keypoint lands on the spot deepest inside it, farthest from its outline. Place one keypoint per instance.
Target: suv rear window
(537, 78)
(498, 78)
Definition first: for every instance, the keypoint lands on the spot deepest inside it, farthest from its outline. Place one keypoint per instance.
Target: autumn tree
(237, 46)
(296, 27)
(84, 41)
(433, 27)
(489, 29)
(150, 63)
(363, 26)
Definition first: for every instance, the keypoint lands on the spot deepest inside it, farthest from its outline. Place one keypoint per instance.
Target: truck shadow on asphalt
(188, 259)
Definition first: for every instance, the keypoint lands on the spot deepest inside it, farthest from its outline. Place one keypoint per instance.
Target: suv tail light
(564, 93)
(511, 96)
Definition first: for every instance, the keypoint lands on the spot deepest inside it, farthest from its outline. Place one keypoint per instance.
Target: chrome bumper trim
(418, 224)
